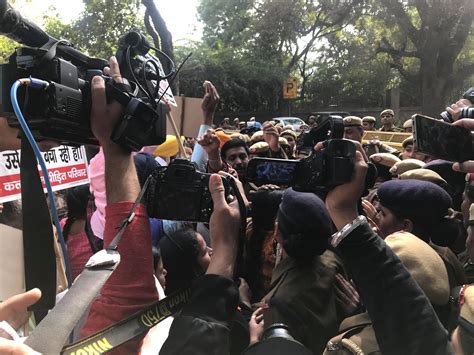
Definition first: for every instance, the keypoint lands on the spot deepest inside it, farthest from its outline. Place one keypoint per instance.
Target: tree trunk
(438, 41)
(436, 72)
(166, 41)
(151, 31)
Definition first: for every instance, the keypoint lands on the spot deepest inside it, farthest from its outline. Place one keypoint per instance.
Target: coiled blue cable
(26, 130)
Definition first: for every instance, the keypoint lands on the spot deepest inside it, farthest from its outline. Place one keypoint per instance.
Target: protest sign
(187, 115)
(12, 272)
(67, 167)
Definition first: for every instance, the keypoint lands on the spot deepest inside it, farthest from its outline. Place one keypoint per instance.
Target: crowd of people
(361, 268)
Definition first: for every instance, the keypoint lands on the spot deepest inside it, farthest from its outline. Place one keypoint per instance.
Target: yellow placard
(290, 88)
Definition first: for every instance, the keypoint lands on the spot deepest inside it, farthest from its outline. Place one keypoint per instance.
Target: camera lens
(277, 330)
(467, 112)
(446, 116)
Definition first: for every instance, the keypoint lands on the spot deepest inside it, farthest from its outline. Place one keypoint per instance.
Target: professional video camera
(467, 112)
(61, 111)
(319, 172)
(180, 192)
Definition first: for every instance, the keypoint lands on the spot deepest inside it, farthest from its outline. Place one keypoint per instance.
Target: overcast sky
(180, 15)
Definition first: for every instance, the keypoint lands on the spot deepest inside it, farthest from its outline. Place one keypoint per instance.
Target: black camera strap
(50, 48)
(127, 329)
(38, 237)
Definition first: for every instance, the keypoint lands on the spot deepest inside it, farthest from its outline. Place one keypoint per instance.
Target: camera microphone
(19, 29)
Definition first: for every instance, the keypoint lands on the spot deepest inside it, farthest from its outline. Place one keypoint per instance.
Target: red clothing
(78, 250)
(132, 286)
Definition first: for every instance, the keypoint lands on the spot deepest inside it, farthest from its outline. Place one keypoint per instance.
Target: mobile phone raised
(263, 171)
(441, 140)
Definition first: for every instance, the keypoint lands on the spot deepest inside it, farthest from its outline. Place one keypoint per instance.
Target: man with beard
(236, 153)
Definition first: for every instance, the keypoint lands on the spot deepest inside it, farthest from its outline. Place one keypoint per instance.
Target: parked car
(295, 122)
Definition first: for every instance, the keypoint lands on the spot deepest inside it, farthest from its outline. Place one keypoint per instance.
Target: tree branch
(396, 53)
(412, 78)
(395, 7)
(165, 36)
(151, 31)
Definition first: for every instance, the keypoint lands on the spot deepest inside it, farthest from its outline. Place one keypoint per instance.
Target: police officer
(387, 118)
(408, 126)
(368, 122)
(353, 129)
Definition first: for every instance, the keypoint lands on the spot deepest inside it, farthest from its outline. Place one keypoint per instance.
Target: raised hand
(210, 143)
(224, 230)
(271, 136)
(209, 102)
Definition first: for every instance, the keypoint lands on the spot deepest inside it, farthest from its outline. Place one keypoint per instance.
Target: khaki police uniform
(357, 336)
(303, 298)
(393, 129)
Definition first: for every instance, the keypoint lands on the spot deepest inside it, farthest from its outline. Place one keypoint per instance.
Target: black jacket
(203, 327)
(403, 318)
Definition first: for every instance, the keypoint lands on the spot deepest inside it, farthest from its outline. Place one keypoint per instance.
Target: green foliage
(348, 73)
(97, 29)
(100, 26)
(7, 46)
(244, 83)
(226, 22)
(250, 47)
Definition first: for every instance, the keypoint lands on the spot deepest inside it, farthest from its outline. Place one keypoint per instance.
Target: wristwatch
(339, 236)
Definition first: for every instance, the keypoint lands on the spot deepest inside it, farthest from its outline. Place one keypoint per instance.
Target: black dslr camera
(322, 170)
(179, 192)
(61, 111)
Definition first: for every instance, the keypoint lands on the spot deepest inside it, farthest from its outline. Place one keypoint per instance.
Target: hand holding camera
(57, 106)
(461, 109)
(455, 110)
(342, 201)
(224, 229)
(104, 116)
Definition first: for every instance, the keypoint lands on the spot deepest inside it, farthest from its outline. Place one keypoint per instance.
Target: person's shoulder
(329, 260)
